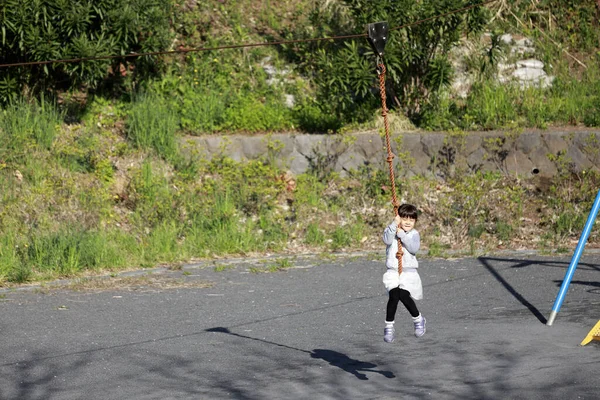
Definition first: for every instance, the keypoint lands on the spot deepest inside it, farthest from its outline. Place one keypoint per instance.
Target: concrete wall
(524, 153)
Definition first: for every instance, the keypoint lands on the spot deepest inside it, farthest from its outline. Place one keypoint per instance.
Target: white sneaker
(388, 334)
(420, 327)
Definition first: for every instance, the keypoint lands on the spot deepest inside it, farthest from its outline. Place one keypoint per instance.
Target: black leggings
(402, 295)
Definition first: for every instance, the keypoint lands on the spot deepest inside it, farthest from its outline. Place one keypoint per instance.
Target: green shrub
(203, 111)
(313, 118)
(247, 113)
(57, 29)
(415, 56)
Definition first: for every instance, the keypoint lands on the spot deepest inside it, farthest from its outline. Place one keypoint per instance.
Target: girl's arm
(411, 241)
(389, 234)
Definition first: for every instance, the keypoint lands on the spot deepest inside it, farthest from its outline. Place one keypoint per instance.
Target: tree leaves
(415, 55)
(43, 30)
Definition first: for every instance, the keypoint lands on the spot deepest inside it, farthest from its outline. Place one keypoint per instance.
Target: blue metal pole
(575, 260)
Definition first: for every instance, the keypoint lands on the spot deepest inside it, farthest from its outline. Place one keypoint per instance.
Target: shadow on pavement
(486, 263)
(337, 359)
(348, 364)
(584, 283)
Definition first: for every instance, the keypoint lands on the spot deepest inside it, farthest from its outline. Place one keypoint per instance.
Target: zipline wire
(235, 46)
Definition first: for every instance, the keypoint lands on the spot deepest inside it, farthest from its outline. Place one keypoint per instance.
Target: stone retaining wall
(523, 153)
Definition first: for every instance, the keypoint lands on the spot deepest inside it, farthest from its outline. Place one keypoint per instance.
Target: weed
(346, 236)
(25, 127)
(314, 236)
(20, 274)
(202, 111)
(161, 245)
(152, 124)
(279, 265)
(496, 151)
(592, 148)
(274, 147)
(405, 159)
(221, 268)
(566, 171)
(472, 248)
(340, 238)
(437, 249)
(283, 263)
(503, 230)
(314, 118)
(446, 162)
(569, 223)
(309, 191)
(476, 231)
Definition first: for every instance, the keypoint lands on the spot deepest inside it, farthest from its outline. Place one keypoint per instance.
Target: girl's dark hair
(408, 211)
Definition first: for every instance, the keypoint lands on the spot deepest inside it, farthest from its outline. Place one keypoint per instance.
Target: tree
(42, 30)
(416, 56)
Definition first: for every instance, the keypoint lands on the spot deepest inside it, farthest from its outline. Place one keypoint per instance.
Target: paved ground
(310, 332)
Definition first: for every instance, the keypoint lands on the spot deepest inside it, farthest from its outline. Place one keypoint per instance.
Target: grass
(27, 127)
(221, 268)
(163, 217)
(116, 191)
(152, 124)
(314, 235)
(495, 106)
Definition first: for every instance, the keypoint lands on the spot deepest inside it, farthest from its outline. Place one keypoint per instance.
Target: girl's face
(406, 224)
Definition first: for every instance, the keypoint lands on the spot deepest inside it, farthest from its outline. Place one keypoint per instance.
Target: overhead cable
(233, 46)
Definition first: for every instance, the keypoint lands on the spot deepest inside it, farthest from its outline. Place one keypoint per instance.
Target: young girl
(406, 286)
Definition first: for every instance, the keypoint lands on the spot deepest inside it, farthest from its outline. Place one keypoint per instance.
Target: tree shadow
(335, 358)
(595, 285)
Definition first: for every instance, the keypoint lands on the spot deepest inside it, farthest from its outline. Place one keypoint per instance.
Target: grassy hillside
(564, 35)
(102, 183)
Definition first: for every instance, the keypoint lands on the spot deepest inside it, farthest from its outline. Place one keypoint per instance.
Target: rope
(390, 156)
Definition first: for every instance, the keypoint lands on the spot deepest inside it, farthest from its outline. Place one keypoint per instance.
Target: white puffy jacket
(409, 279)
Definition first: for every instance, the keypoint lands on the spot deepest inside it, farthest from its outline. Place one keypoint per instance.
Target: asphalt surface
(312, 331)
